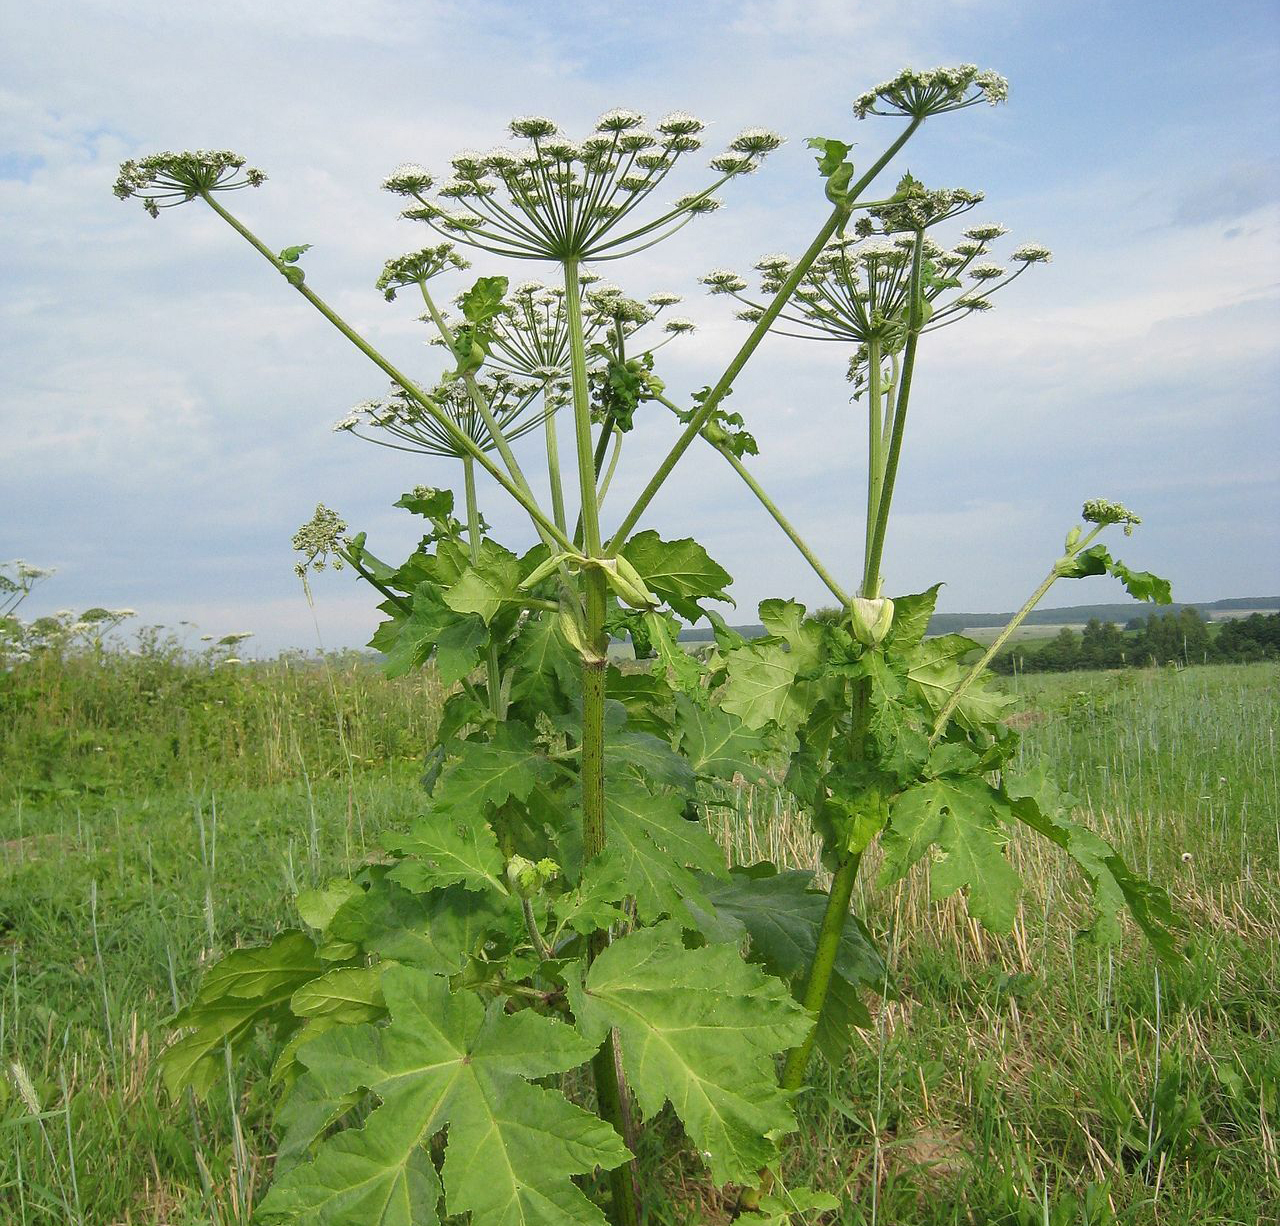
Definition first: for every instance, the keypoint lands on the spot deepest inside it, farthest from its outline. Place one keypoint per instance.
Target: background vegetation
(1165, 638)
(162, 807)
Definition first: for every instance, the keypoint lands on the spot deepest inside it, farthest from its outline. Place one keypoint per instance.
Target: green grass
(1012, 1080)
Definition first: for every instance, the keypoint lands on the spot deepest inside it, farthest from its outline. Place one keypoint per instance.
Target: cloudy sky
(166, 400)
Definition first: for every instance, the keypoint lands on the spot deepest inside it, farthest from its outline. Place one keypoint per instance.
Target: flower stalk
(465, 444)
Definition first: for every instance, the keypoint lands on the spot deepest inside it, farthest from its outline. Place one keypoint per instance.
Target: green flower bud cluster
(320, 541)
(1104, 511)
(165, 180)
(418, 267)
(933, 91)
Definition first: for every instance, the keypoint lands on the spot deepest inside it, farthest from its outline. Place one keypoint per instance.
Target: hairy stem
(493, 673)
(553, 470)
(875, 441)
(465, 444)
(606, 1067)
(396, 599)
(915, 321)
(818, 982)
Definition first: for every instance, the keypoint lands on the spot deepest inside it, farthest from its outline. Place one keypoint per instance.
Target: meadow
(156, 811)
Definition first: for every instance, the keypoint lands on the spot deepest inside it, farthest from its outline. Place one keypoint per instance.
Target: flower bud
(528, 878)
(871, 620)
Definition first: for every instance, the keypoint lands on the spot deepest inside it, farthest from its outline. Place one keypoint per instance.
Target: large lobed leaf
(657, 847)
(247, 987)
(1039, 804)
(717, 744)
(698, 1028)
(963, 815)
(444, 1061)
(680, 572)
(780, 914)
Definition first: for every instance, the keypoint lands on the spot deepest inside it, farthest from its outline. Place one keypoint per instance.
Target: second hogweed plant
(552, 951)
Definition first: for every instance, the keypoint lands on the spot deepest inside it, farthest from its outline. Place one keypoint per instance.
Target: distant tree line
(1170, 638)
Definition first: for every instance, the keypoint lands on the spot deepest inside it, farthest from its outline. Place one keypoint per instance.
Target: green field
(155, 811)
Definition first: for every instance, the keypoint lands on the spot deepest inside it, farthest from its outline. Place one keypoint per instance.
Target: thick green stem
(875, 460)
(581, 412)
(835, 222)
(824, 961)
(553, 470)
(915, 321)
(817, 984)
(611, 1090)
(880, 480)
(493, 671)
(465, 444)
(779, 518)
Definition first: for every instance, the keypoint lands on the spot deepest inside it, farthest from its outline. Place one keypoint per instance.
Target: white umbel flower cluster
(934, 91)
(560, 199)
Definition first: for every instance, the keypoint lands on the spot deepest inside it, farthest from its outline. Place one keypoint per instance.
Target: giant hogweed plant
(553, 951)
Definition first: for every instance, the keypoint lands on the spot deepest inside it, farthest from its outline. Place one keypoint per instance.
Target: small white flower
(778, 264)
(619, 119)
(680, 123)
(407, 179)
(663, 298)
(755, 141)
(1033, 253)
(679, 325)
(723, 281)
(637, 140)
(986, 272)
(984, 234)
(561, 149)
(696, 202)
(503, 160)
(533, 127)
(734, 164)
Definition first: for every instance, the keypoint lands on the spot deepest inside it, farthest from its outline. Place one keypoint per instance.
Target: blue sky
(166, 400)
